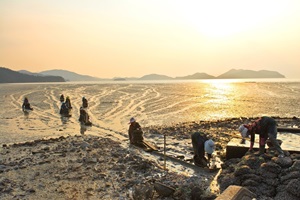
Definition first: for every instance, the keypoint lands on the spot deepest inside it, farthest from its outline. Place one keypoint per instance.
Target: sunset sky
(132, 38)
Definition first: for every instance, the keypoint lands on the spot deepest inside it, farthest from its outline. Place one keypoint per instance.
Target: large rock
(266, 174)
(284, 195)
(283, 162)
(142, 191)
(244, 169)
(294, 167)
(250, 182)
(294, 187)
(263, 190)
(271, 167)
(234, 192)
(163, 190)
(228, 179)
(290, 176)
(253, 177)
(252, 161)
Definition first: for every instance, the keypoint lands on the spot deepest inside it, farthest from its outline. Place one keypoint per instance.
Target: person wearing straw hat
(201, 144)
(266, 128)
(135, 132)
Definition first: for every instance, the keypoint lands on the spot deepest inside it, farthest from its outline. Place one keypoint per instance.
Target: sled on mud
(146, 146)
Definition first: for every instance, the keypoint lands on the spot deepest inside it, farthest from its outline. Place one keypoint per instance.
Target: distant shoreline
(245, 80)
(58, 75)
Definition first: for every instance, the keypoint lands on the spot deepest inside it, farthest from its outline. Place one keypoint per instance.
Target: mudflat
(86, 166)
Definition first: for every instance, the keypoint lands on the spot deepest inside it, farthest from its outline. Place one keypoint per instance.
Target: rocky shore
(93, 167)
(268, 176)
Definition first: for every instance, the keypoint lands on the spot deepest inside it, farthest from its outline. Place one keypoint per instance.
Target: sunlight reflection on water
(111, 104)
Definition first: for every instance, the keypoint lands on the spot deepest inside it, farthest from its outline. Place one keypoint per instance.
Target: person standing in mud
(64, 110)
(135, 132)
(265, 127)
(84, 117)
(201, 144)
(26, 105)
(84, 102)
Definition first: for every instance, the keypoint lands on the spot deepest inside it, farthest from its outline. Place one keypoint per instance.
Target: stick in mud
(165, 152)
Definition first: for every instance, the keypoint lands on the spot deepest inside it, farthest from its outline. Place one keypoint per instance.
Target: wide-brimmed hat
(243, 130)
(209, 146)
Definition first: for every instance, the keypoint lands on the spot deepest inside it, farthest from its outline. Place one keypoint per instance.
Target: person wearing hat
(135, 132)
(266, 128)
(201, 144)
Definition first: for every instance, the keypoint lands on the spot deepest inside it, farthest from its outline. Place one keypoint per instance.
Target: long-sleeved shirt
(134, 126)
(260, 126)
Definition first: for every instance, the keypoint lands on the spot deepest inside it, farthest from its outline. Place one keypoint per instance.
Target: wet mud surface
(91, 167)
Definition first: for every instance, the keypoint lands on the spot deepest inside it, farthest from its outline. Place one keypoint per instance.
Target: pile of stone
(268, 176)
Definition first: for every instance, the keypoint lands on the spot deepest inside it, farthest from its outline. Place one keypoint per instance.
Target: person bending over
(265, 127)
(202, 144)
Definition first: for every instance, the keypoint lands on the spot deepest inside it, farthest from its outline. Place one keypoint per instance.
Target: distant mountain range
(71, 76)
(10, 76)
(233, 73)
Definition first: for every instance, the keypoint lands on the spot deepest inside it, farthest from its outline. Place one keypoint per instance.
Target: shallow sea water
(111, 104)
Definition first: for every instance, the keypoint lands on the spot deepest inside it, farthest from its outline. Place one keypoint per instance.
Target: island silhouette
(59, 75)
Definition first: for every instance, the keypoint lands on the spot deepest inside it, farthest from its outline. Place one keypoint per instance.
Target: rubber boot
(261, 150)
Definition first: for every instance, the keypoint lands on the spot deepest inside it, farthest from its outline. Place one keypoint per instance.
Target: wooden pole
(165, 152)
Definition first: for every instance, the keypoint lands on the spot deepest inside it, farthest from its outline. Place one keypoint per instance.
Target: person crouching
(135, 132)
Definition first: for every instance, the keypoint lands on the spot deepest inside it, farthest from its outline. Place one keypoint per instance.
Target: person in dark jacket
(135, 132)
(26, 105)
(201, 144)
(265, 127)
(84, 117)
(64, 110)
